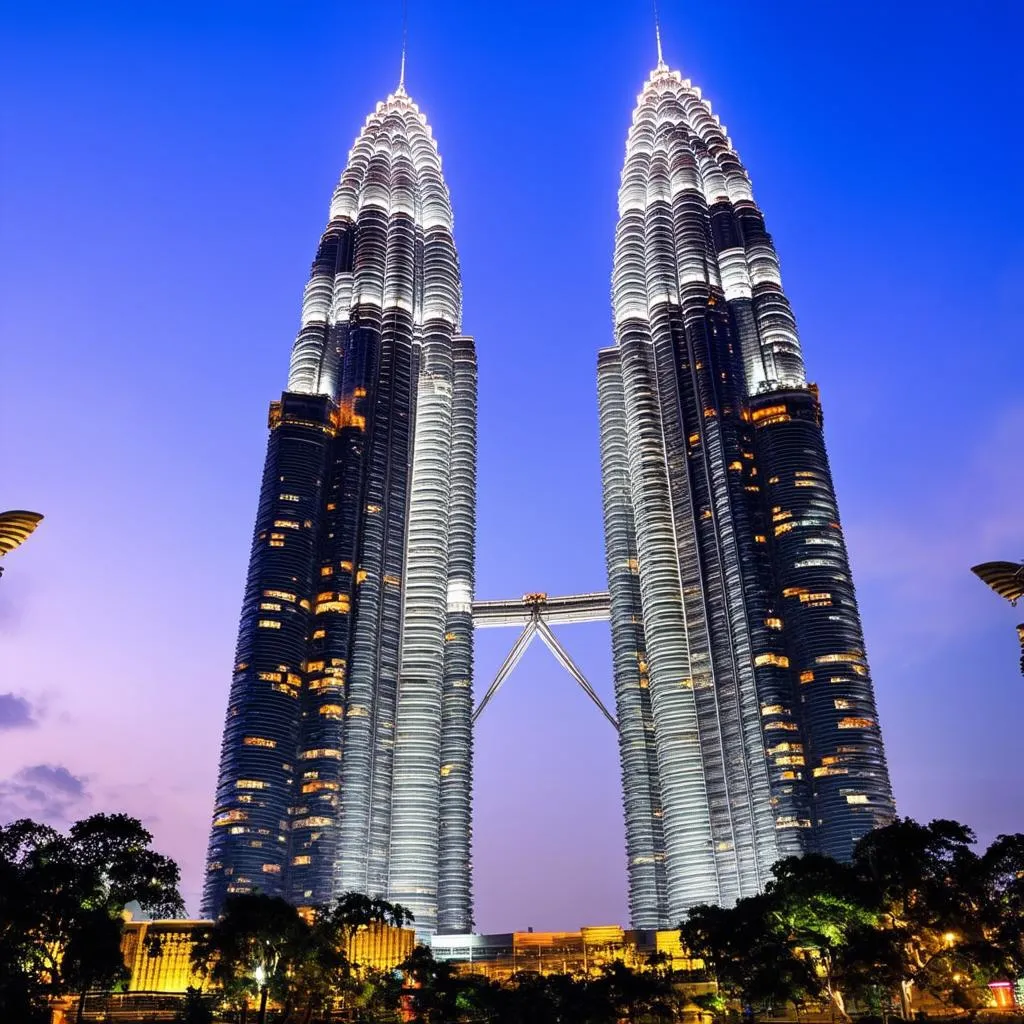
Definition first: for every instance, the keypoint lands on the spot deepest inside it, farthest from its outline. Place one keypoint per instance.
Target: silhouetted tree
(62, 898)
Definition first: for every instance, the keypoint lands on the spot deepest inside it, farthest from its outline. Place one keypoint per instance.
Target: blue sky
(166, 171)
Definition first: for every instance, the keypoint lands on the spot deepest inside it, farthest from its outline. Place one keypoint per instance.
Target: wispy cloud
(45, 792)
(17, 712)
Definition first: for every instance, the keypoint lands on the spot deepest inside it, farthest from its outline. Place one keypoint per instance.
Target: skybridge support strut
(534, 612)
(510, 662)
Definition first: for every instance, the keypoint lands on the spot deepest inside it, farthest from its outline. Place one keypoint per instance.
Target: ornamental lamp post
(260, 975)
(1007, 580)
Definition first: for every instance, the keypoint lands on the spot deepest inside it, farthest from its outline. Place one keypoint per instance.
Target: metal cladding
(748, 729)
(346, 756)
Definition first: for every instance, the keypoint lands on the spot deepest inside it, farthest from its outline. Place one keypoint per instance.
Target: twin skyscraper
(747, 722)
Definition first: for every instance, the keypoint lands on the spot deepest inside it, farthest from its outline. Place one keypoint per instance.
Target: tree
(747, 953)
(256, 948)
(822, 911)
(932, 892)
(434, 989)
(62, 898)
(195, 1009)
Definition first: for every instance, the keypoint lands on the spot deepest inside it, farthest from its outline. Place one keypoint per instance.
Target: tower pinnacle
(400, 91)
(662, 66)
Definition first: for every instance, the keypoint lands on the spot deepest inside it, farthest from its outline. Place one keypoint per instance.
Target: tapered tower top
(678, 148)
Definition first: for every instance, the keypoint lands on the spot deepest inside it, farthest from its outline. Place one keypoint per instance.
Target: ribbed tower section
(709, 436)
(361, 569)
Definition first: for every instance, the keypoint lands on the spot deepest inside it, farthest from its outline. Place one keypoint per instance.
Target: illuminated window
(326, 570)
(314, 666)
(269, 606)
(289, 497)
(269, 624)
(271, 869)
(250, 784)
(784, 528)
(856, 798)
(842, 704)
(270, 677)
(302, 858)
(773, 623)
(772, 659)
(829, 770)
(774, 709)
(835, 659)
(788, 726)
(794, 591)
(228, 817)
(281, 595)
(319, 634)
(332, 603)
(286, 524)
(258, 741)
(781, 748)
(392, 580)
(736, 465)
(312, 755)
(807, 676)
(319, 785)
(760, 538)
(373, 509)
(856, 723)
(331, 710)
(313, 822)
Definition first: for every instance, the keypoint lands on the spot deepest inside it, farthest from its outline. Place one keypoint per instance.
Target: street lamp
(1007, 580)
(260, 974)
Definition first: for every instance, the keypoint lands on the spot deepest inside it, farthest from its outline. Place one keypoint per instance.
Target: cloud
(44, 792)
(16, 712)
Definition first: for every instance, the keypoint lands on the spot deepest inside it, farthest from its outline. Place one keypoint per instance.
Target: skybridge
(536, 614)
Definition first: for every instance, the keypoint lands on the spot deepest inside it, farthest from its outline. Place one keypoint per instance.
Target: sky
(165, 174)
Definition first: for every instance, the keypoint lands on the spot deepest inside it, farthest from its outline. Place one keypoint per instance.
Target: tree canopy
(916, 907)
(62, 899)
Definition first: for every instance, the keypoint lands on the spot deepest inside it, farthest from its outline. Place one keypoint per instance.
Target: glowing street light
(260, 974)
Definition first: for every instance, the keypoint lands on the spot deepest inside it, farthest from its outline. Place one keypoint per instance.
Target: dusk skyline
(163, 183)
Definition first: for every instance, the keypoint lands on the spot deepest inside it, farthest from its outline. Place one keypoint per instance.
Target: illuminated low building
(499, 956)
(158, 954)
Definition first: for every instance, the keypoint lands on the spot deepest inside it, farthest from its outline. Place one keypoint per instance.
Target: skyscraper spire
(657, 36)
(405, 44)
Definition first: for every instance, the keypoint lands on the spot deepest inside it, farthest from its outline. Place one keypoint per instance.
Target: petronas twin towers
(746, 714)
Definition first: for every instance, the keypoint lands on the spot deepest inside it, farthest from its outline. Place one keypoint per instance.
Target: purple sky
(165, 176)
